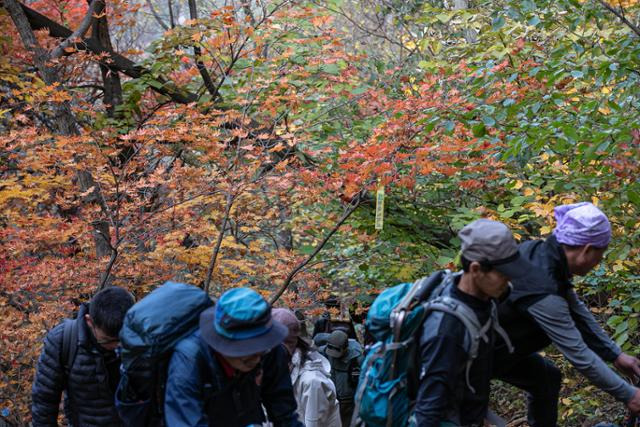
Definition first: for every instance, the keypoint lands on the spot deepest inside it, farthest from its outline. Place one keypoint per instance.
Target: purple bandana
(580, 224)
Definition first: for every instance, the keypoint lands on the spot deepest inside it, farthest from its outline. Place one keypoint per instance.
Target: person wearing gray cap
(545, 309)
(452, 391)
(345, 356)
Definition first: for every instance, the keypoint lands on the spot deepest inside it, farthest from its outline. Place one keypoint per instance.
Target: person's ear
(89, 320)
(475, 267)
(584, 250)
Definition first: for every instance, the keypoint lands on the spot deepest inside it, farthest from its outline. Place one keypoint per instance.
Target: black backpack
(150, 332)
(69, 346)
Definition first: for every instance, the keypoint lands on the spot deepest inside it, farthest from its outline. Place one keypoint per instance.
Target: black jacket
(543, 308)
(89, 390)
(443, 393)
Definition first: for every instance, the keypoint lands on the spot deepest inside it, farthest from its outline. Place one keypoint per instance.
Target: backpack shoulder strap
(498, 328)
(469, 319)
(69, 345)
(420, 290)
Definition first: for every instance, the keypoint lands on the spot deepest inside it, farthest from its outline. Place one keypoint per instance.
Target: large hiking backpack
(388, 382)
(151, 330)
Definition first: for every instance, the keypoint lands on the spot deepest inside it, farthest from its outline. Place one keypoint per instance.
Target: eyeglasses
(102, 338)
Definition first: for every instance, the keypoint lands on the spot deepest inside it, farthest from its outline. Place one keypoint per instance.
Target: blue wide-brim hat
(240, 324)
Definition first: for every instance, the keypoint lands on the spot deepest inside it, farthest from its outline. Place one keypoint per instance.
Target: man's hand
(628, 365)
(634, 404)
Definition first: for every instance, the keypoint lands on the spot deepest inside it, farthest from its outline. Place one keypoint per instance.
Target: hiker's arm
(441, 358)
(593, 335)
(49, 381)
(553, 315)
(184, 401)
(277, 391)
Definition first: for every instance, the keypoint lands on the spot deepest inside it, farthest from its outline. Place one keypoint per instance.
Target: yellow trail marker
(380, 207)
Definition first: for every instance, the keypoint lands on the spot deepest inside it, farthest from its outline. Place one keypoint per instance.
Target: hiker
(544, 309)
(310, 372)
(325, 324)
(453, 387)
(232, 366)
(78, 358)
(345, 356)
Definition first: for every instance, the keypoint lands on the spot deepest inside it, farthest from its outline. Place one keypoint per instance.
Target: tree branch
(64, 120)
(620, 15)
(107, 57)
(216, 249)
(171, 19)
(78, 33)
(197, 52)
(155, 15)
(355, 203)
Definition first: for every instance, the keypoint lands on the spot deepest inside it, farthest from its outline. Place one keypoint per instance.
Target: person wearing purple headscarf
(543, 308)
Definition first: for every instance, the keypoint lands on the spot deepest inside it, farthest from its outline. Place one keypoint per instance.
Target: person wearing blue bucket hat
(545, 309)
(232, 369)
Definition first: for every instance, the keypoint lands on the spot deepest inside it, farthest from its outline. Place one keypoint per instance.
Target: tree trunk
(110, 76)
(64, 120)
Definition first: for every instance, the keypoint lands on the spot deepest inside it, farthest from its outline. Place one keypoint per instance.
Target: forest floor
(581, 404)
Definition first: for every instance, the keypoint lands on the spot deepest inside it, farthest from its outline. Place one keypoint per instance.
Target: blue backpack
(150, 331)
(388, 382)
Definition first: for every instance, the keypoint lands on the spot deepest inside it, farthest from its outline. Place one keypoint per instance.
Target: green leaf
(443, 17)
(479, 130)
(534, 21)
(518, 200)
(497, 23)
(359, 90)
(488, 120)
(577, 74)
(306, 249)
(622, 338)
(634, 197)
(154, 83)
(536, 107)
(570, 132)
(449, 125)
(298, 59)
(332, 69)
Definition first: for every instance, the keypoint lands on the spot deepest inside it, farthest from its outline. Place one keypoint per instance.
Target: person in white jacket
(313, 389)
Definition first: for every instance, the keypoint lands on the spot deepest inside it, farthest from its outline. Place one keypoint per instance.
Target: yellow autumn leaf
(518, 185)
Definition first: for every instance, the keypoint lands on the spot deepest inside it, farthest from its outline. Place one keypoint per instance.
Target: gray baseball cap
(491, 242)
(337, 344)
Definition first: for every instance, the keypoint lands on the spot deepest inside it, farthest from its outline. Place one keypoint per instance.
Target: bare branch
(172, 22)
(620, 14)
(216, 249)
(107, 57)
(78, 33)
(355, 203)
(197, 52)
(155, 15)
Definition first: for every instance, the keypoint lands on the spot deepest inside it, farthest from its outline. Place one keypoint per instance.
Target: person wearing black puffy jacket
(83, 364)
